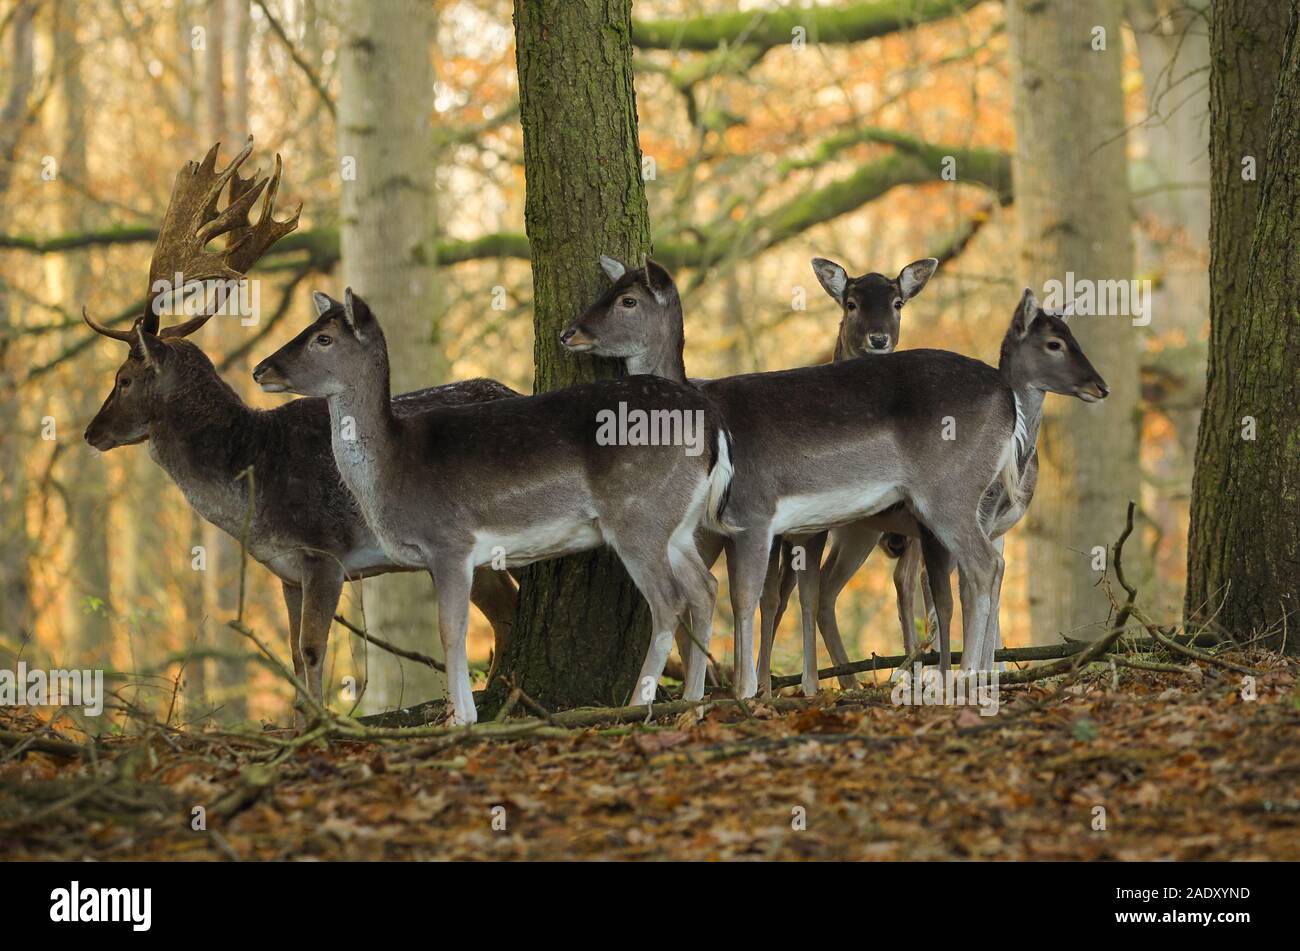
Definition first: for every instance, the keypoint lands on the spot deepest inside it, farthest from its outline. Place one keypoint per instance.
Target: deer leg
(994, 640)
(709, 546)
(980, 574)
(767, 610)
(938, 572)
(809, 586)
(788, 580)
(293, 605)
(495, 594)
(322, 585)
(650, 568)
(747, 555)
(453, 576)
(905, 571)
(850, 546)
(701, 594)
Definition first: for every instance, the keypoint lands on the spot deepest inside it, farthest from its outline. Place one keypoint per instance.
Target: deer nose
(878, 341)
(567, 334)
(259, 371)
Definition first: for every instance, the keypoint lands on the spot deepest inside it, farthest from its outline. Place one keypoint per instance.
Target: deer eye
(628, 302)
(850, 307)
(1055, 345)
(324, 339)
(898, 303)
(124, 383)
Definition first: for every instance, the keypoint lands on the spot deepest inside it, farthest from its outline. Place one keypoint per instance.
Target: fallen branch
(40, 744)
(1010, 654)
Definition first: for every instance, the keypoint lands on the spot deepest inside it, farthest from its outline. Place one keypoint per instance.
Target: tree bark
(87, 604)
(1072, 208)
(1244, 540)
(581, 628)
(15, 579)
(387, 241)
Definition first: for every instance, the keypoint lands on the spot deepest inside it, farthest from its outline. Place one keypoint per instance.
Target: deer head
(325, 358)
(638, 320)
(153, 370)
(1040, 352)
(872, 304)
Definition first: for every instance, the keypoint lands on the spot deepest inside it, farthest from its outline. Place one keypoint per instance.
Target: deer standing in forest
(520, 480)
(306, 528)
(825, 446)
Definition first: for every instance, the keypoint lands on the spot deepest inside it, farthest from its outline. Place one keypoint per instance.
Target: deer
(521, 480)
(822, 447)
(872, 307)
(306, 528)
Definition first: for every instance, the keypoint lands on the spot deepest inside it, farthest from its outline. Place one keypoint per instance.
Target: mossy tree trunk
(1244, 543)
(582, 628)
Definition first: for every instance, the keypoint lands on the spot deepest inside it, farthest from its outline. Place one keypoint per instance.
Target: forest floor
(1198, 760)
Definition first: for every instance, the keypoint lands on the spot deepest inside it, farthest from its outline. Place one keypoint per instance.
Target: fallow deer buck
(826, 446)
(520, 480)
(306, 528)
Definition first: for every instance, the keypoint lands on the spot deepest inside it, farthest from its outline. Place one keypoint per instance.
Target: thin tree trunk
(238, 32)
(1072, 206)
(385, 145)
(87, 604)
(1244, 543)
(1172, 201)
(15, 586)
(581, 628)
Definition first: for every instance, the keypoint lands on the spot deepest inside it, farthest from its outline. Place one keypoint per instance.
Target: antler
(192, 221)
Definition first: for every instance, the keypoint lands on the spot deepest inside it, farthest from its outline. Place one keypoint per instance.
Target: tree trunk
(1171, 183)
(1072, 206)
(86, 604)
(15, 580)
(385, 145)
(1244, 545)
(581, 628)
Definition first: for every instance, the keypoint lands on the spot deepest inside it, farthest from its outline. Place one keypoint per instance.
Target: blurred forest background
(770, 133)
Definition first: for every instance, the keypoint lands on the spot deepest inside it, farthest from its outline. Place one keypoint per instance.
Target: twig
(391, 648)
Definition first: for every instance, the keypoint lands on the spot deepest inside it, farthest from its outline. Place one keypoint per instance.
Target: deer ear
(914, 277)
(151, 351)
(613, 267)
(323, 302)
(832, 277)
(659, 281)
(1026, 313)
(356, 313)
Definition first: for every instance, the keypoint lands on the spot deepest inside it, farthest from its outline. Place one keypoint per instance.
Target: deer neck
(203, 438)
(1029, 406)
(662, 356)
(363, 435)
(661, 361)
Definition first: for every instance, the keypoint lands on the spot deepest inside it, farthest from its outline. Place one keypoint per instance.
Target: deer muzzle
(269, 378)
(575, 339)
